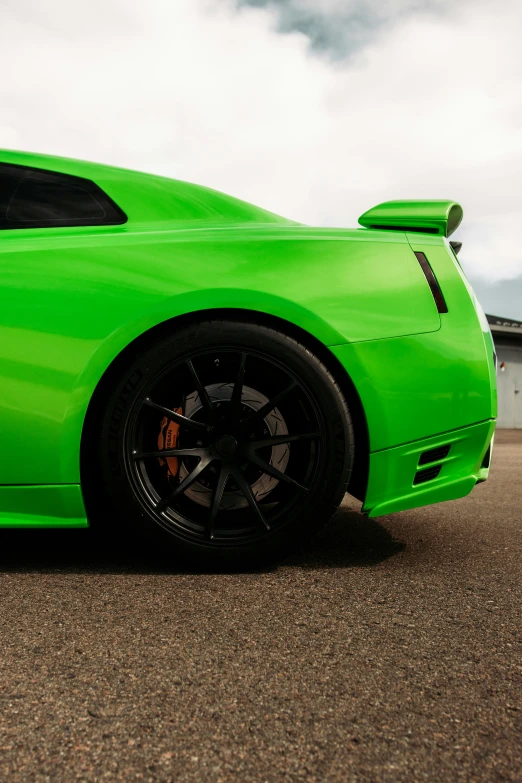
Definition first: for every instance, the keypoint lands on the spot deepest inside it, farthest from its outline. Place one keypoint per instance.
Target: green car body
(74, 297)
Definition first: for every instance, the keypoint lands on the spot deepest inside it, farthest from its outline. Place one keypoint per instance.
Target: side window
(35, 198)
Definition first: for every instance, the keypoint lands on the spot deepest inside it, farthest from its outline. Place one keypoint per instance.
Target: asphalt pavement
(390, 651)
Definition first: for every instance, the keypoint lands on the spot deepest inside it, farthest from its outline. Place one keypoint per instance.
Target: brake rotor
(273, 424)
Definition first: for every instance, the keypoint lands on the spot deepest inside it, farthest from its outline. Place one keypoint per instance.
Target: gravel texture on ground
(389, 651)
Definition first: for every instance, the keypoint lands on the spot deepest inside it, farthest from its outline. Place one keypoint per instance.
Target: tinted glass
(34, 198)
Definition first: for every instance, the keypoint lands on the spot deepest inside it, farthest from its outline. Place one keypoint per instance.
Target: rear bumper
(393, 472)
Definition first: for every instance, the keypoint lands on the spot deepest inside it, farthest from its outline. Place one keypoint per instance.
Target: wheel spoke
(237, 391)
(217, 494)
(251, 420)
(266, 468)
(185, 484)
(203, 394)
(195, 426)
(246, 489)
(276, 440)
(170, 453)
(228, 439)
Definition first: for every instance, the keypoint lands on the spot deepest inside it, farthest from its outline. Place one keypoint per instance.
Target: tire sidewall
(150, 362)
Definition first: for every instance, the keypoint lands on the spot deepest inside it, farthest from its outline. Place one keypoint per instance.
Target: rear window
(36, 198)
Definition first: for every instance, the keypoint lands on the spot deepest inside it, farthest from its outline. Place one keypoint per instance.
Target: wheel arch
(359, 478)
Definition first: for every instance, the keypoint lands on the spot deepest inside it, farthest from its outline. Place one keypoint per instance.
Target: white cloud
(201, 91)
(380, 8)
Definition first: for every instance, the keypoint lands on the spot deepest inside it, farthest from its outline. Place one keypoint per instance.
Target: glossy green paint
(74, 298)
(59, 505)
(418, 385)
(151, 199)
(436, 217)
(391, 487)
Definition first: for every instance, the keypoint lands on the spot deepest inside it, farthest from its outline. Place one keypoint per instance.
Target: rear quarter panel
(72, 299)
(420, 385)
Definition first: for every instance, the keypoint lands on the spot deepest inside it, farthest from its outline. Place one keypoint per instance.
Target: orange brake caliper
(168, 439)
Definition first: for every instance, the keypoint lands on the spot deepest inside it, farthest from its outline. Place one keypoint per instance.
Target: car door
(42, 215)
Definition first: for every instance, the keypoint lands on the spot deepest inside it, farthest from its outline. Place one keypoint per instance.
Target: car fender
(188, 304)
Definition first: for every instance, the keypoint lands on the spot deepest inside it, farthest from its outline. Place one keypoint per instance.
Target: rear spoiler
(429, 217)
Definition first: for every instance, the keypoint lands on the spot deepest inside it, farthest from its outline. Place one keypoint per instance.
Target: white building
(507, 335)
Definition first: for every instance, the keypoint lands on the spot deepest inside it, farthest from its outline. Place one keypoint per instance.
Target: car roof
(149, 197)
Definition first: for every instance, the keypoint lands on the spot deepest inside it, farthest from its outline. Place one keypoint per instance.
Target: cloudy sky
(316, 109)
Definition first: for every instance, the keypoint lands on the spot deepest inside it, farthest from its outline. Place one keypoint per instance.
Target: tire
(229, 443)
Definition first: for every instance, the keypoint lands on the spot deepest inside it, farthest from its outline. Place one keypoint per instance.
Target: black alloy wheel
(231, 441)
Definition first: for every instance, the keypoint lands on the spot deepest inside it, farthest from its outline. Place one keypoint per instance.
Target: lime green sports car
(184, 365)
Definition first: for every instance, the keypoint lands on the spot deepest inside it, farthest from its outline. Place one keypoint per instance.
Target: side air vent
(434, 455)
(427, 475)
(442, 307)
(487, 458)
(411, 229)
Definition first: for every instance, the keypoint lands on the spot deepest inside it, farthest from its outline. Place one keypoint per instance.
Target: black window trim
(114, 215)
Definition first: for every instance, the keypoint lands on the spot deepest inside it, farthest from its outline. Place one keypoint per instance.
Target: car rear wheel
(230, 442)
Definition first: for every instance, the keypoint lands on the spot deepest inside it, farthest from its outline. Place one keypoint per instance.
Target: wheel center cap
(226, 446)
